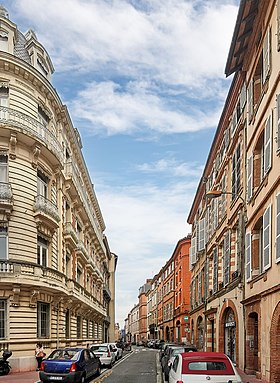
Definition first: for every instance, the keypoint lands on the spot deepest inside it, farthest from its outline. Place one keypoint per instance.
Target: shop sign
(230, 324)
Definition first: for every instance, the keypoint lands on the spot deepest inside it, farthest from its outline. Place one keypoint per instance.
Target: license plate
(55, 377)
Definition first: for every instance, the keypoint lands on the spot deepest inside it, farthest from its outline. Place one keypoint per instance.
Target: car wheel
(110, 365)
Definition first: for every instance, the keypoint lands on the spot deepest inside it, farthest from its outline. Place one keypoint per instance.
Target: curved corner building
(56, 268)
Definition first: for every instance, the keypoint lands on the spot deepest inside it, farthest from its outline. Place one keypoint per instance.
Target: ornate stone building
(56, 268)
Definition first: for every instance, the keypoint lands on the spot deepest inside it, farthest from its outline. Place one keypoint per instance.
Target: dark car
(69, 365)
(171, 352)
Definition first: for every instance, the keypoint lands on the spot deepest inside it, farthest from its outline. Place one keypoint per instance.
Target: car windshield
(64, 355)
(99, 348)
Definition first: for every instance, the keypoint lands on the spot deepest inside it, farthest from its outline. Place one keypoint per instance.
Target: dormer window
(3, 41)
(42, 67)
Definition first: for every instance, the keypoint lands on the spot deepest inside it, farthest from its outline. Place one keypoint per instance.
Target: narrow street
(140, 366)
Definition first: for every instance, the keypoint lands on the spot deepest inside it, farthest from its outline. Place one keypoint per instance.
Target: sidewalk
(20, 377)
(247, 378)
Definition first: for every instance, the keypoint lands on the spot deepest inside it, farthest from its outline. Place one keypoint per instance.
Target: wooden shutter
(278, 121)
(267, 238)
(266, 56)
(250, 98)
(267, 144)
(215, 270)
(249, 178)
(278, 25)
(201, 234)
(277, 239)
(227, 258)
(248, 256)
(242, 97)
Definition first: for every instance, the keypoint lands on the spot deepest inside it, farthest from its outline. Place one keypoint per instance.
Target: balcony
(31, 127)
(19, 275)
(46, 213)
(6, 199)
(70, 235)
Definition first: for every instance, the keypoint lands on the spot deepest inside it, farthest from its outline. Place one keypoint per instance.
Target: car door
(174, 373)
(95, 362)
(88, 363)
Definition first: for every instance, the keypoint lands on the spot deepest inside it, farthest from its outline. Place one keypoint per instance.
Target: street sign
(186, 318)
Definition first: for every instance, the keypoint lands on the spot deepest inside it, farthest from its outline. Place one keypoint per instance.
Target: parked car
(169, 357)
(69, 365)
(105, 353)
(164, 349)
(195, 367)
(117, 350)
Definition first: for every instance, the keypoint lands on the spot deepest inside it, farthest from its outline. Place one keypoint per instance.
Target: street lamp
(218, 193)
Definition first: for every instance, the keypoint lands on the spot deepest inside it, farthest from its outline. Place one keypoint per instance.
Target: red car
(199, 367)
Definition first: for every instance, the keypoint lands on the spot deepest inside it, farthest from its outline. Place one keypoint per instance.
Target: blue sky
(144, 83)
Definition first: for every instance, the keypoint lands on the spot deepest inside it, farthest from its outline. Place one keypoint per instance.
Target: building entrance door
(230, 335)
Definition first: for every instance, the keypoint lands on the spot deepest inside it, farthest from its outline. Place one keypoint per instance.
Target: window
(42, 251)
(235, 182)
(3, 168)
(193, 252)
(278, 227)
(79, 327)
(68, 265)
(278, 120)
(43, 117)
(3, 243)
(266, 238)
(42, 184)
(79, 275)
(67, 324)
(226, 251)
(249, 178)
(43, 319)
(215, 270)
(201, 234)
(4, 96)
(3, 41)
(248, 256)
(3, 318)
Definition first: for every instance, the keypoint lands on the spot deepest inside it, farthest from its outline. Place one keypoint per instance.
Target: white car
(198, 367)
(118, 351)
(105, 352)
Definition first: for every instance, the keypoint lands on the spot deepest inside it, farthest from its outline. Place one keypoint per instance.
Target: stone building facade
(56, 268)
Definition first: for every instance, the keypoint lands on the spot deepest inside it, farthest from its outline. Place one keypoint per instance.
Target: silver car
(105, 352)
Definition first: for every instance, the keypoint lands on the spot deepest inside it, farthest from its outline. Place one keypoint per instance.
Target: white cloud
(172, 167)
(110, 107)
(176, 42)
(145, 223)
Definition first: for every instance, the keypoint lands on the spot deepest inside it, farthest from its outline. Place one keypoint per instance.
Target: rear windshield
(99, 348)
(210, 367)
(64, 354)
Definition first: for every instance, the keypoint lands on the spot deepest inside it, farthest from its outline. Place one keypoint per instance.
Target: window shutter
(227, 258)
(266, 238)
(250, 94)
(267, 144)
(193, 252)
(278, 25)
(278, 227)
(266, 56)
(201, 234)
(248, 256)
(278, 120)
(243, 97)
(249, 178)
(215, 270)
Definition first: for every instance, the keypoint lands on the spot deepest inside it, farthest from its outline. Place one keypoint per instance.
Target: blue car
(70, 365)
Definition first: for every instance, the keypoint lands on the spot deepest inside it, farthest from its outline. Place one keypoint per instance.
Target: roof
(247, 13)
(203, 355)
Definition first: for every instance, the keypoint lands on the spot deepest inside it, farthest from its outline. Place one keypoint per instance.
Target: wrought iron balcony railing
(42, 204)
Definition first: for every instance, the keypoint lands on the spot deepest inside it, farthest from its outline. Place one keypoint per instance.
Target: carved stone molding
(13, 143)
(36, 153)
(33, 298)
(15, 297)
